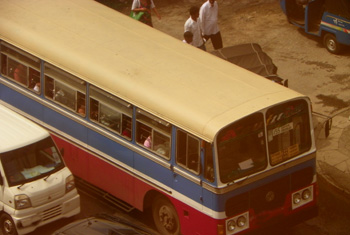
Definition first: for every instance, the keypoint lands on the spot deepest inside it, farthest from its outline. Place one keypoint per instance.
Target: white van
(36, 186)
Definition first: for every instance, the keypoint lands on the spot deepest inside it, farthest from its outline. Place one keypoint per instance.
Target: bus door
(187, 174)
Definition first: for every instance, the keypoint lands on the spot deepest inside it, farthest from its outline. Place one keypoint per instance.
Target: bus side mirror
(327, 127)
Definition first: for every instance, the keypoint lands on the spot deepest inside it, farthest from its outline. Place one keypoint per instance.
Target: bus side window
(187, 151)
(208, 162)
(3, 64)
(81, 109)
(34, 80)
(110, 112)
(153, 133)
(65, 89)
(49, 87)
(94, 109)
(18, 72)
(20, 66)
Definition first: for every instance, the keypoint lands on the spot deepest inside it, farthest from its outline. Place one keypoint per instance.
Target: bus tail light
(237, 223)
(302, 197)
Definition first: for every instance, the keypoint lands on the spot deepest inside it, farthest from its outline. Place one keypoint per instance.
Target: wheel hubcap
(331, 45)
(166, 218)
(8, 226)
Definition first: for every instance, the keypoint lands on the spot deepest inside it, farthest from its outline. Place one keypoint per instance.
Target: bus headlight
(306, 194)
(241, 221)
(296, 198)
(22, 201)
(70, 184)
(302, 197)
(231, 225)
(237, 224)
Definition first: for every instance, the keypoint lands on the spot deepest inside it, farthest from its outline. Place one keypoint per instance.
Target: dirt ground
(300, 58)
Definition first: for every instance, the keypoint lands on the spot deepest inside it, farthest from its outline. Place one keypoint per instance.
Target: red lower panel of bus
(126, 187)
(119, 183)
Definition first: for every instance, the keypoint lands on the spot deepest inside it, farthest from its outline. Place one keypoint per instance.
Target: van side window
(187, 151)
(110, 112)
(65, 89)
(21, 67)
(153, 133)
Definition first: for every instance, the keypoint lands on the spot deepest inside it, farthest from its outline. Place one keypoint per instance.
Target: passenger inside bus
(148, 142)
(20, 74)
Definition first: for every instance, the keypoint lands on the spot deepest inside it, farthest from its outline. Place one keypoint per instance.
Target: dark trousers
(216, 40)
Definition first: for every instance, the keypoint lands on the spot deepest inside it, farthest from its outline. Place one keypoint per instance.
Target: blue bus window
(110, 112)
(153, 133)
(187, 151)
(65, 89)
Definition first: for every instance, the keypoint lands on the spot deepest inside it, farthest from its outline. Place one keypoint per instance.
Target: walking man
(208, 16)
(193, 25)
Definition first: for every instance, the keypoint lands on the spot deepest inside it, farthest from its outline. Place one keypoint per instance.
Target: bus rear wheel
(8, 227)
(165, 217)
(330, 42)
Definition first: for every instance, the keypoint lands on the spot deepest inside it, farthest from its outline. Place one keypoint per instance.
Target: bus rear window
(288, 131)
(241, 148)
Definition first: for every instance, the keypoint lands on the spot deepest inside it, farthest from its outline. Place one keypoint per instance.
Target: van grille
(52, 212)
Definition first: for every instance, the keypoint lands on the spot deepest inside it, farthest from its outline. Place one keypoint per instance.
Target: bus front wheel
(165, 217)
(8, 227)
(330, 42)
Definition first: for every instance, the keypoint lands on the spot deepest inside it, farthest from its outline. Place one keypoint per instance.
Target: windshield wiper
(239, 180)
(46, 177)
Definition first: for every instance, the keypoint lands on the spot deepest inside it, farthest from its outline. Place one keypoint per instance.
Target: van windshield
(31, 162)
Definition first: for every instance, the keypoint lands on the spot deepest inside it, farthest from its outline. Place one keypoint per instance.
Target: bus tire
(330, 42)
(8, 227)
(165, 217)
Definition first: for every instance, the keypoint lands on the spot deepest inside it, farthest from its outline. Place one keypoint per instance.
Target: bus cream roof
(185, 86)
(17, 131)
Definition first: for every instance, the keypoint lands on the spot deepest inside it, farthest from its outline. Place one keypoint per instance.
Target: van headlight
(70, 183)
(22, 201)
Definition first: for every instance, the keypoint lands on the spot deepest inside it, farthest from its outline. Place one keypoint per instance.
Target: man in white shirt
(208, 16)
(193, 25)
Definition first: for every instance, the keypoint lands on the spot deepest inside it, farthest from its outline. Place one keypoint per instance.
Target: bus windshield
(31, 162)
(242, 148)
(288, 131)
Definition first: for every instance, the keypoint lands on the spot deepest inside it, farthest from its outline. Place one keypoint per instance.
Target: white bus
(36, 186)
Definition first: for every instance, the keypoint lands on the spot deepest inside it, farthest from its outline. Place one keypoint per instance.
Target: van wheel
(330, 42)
(165, 217)
(8, 227)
